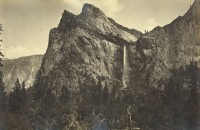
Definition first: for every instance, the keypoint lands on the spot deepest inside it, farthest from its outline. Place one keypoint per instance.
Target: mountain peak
(196, 2)
(194, 11)
(66, 13)
(67, 21)
(90, 10)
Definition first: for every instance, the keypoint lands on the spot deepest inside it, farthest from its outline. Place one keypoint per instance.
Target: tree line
(177, 106)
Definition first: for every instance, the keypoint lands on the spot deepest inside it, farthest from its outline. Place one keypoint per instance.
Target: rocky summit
(99, 75)
(106, 65)
(172, 46)
(85, 48)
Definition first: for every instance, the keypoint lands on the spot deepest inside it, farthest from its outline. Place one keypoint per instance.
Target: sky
(27, 23)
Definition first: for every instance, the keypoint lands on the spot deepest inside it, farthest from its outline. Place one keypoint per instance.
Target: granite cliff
(95, 67)
(170, 47)
(85, 49)
(23, 68)
(84, 60)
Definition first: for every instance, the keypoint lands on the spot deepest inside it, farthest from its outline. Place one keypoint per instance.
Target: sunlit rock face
(23, 68)
(170, 47)
(84, 49)
(90, 49)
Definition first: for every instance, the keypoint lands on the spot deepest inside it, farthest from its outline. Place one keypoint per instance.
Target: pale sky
(27, 23)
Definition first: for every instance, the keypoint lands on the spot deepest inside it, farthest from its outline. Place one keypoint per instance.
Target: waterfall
(125, 78)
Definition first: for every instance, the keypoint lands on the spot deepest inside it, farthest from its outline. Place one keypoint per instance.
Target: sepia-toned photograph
(99, 64)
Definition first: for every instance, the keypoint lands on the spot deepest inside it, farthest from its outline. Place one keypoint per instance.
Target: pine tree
(1, 54)
(15, 98)
(193, 98)
(23, 93)
(105, 95)
(65, 95)
(37, 86)
(2, 93)
(49, 98)
(97, 95)
(2, 86)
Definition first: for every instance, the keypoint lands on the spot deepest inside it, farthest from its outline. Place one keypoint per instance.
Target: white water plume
(125, 78)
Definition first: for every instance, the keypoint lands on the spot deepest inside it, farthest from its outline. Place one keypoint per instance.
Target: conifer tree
(97, 95)
(23, 93)
(65, 95)
(193, 98)
(49, 98)
(15, 98)
(2, 87)
(105, 95)
(37, 87)
(2, 93)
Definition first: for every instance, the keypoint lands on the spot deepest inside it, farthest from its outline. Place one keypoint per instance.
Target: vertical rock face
(91, 51)
(172, 46)
(85, 57)
(85, 49)
(23, 68)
